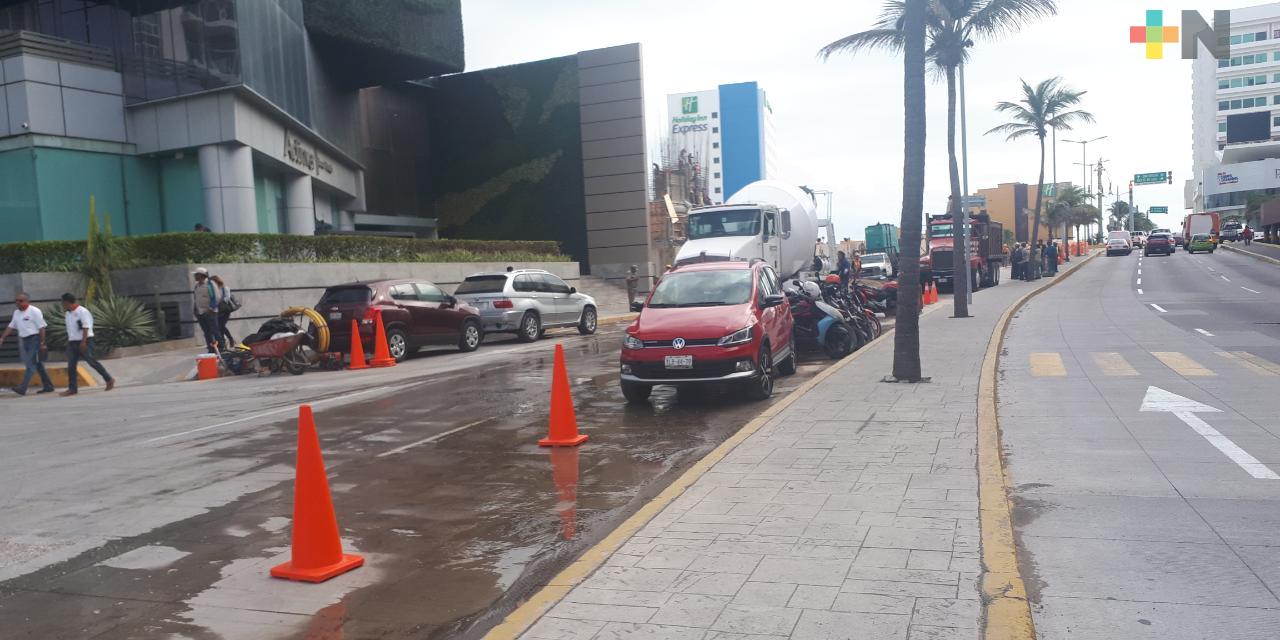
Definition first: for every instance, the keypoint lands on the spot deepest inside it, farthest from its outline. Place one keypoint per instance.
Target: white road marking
(292, 407)
(431, 439)
(1139, 291)
(1158, 308)
(1224, 277)
(1203, 332)
(1185, 409)
(1139, 271)
(1139, 280)
(1250, 290)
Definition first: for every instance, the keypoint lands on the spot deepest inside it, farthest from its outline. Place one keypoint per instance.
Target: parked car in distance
(1231, 231)
(723, 322)
(415, 314)
(1158, 243)
(876, 264)
(527, 302)
(1201, 242)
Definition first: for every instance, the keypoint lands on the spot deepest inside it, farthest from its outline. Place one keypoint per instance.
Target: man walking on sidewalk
(205, 297)
(633, 285)
(80, 344)
(29, 322)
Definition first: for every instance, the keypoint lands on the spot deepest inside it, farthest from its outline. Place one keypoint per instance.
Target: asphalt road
(1141, 420)
(155, 512)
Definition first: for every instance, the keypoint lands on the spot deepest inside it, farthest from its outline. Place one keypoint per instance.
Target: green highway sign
(1159, 177)
(1158, 210)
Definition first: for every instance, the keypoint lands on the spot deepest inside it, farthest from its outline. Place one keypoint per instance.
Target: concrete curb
(1006, 613)
(1251, 254)
(523, 617)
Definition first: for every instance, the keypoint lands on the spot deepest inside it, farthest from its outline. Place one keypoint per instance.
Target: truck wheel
(975, 279)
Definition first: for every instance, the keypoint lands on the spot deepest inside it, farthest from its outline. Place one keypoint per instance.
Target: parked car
(713, 322)
(1231, 231)
(527, 302)
(1159, 243)
(1201, 242)
(415, 314)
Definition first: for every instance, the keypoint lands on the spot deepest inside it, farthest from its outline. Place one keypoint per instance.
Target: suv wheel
(471, 336)
(397, 343)
(530, 328)
(636, 392)
(762, 386)
(588, 324)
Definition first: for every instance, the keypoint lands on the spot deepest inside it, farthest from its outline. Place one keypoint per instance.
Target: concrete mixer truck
(766, 219)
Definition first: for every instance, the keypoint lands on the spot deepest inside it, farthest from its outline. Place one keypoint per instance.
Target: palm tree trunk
(906, 337)
(1035, 229)
(960, 284)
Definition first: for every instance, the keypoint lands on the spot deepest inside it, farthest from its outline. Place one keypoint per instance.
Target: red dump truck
(985, 251)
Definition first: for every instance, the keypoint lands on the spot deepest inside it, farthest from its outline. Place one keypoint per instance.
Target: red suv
(415, 313)
(711, 322)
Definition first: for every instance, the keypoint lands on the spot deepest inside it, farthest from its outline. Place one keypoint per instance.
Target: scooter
(818, 325)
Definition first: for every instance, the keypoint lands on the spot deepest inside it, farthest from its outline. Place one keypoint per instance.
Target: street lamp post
(1084, 160)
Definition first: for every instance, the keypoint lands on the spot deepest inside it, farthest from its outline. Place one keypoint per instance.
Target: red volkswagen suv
(711, 322)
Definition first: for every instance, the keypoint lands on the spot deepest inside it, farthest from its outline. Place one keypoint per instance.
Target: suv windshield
(718, 224)
(703, 288)
(874, 257)
(481, 284)
(346, 295)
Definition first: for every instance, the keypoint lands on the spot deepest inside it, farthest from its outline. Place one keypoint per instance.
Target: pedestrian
(1051, 257)
(227, 303)
(843, 267)
(28, 322)
(633, 284)
(80, 344)
(205, 308)
(1015, 259)
(1033, 263)
(1248, 235)
(510, 268)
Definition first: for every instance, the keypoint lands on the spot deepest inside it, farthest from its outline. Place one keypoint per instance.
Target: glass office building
(242, 115)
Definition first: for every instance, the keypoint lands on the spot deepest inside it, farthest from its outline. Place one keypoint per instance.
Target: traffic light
(1170, 174)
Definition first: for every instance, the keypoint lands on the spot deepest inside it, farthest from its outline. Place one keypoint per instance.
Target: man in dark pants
(29, 322)
(80, 344)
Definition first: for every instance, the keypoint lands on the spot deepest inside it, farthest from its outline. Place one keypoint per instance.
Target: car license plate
(335, 315)
(679, 362)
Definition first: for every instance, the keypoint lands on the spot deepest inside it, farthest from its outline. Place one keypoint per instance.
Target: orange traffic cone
(357, 348)
(564, 424)
(381, 354)
(924, 296)
(317, 550)
(933, 293)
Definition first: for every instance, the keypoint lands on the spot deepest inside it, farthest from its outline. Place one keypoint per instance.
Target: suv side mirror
(774, 300)
(637, 307)
(573, 290)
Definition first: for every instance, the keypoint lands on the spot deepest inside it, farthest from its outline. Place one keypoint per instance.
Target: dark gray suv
(526, 302)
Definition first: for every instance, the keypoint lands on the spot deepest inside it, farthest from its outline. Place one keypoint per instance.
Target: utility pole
(1100, 161)
(1130, 206)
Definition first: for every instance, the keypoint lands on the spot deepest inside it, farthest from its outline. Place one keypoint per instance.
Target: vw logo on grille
(678, 343)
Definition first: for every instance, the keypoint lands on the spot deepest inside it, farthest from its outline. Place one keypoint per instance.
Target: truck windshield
(941, 230)
(703, 288)
(718, 224)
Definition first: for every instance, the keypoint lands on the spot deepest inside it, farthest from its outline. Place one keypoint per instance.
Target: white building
(727, 131)
(1246, 83)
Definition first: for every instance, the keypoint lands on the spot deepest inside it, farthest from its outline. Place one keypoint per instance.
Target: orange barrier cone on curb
(563, 431)
(924, 296)
(381, 354)
(933, 293)
(317, 549)
(357, 348)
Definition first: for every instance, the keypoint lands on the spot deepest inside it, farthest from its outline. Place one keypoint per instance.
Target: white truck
(766, 219)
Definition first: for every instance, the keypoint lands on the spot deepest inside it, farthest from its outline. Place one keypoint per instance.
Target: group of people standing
(29, 323)
(1028, 261)
(213, 305)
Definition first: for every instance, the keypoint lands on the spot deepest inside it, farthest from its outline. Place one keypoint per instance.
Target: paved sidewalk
(1269, 252)
(853, 513)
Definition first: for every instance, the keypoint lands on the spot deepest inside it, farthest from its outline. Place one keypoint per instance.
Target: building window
(1275, 99)
(1222, 127)
(1224, 63)
(1224, 84)
(1224, 105)
(717, 129)
(717, 175)
(715, 115)
(715, 160)
(1275, 121)
(1236, 104)
(717, 189)
(715, 145)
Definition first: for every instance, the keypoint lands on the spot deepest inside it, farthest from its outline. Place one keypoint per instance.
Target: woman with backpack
(227, 304)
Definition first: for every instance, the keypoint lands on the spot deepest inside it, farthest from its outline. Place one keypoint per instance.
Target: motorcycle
(818, 325)
(859, 318)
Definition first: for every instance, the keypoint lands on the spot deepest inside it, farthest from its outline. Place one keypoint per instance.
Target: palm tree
(951, 27)
(906, 339)
(1119, 219)
(1049, 104)
(1069, 198)
(1085, 215)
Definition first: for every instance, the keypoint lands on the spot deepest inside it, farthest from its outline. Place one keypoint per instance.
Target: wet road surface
(440, 484)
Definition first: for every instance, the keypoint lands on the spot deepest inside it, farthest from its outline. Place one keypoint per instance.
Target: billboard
(1249, 127)
(692, 138)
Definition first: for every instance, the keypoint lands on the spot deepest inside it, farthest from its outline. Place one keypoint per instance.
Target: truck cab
(985, 253)
(735, 232)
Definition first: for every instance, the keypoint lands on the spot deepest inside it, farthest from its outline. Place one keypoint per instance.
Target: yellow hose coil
(317, 320)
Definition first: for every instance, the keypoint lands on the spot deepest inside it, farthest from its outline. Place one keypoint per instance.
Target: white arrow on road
(1185, 409)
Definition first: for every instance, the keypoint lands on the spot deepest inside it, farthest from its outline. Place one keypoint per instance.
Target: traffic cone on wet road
(317, 549)
(564, 424)
(381, 354)
(357, 348)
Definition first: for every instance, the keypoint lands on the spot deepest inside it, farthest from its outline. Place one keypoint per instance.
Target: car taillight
(503, 304)
(370, 313)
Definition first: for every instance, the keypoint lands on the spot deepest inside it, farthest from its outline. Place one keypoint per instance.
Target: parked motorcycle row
(832, 317)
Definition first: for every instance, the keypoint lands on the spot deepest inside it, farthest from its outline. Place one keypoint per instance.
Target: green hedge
(195, 248)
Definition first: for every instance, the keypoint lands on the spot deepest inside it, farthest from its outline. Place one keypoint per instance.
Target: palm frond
(996, 18)
(886, 39)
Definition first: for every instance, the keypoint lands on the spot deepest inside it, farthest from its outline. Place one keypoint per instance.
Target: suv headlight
(632, 342)
(740, 336)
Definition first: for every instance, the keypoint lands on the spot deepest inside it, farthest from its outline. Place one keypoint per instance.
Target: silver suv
(527, 302)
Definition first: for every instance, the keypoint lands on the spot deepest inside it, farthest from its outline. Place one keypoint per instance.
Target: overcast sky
(839, 123)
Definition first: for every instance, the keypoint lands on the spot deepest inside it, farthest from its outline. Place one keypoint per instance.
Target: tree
(98, 256)
(1086, 215)
(951, 27)
(1069, 198)
(1049, 104)
(1119, 216)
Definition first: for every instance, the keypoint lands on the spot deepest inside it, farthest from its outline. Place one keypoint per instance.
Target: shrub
(184, 248)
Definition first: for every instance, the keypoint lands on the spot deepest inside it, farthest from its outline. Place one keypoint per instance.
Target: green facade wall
(267, 192)
(142, 196)
(19, 202)
(181, 193)
(67, 180)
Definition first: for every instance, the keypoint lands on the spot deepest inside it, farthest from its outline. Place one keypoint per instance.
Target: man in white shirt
(80, 344)
(28, 322)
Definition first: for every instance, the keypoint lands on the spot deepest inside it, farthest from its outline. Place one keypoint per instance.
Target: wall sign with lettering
(304, 156)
